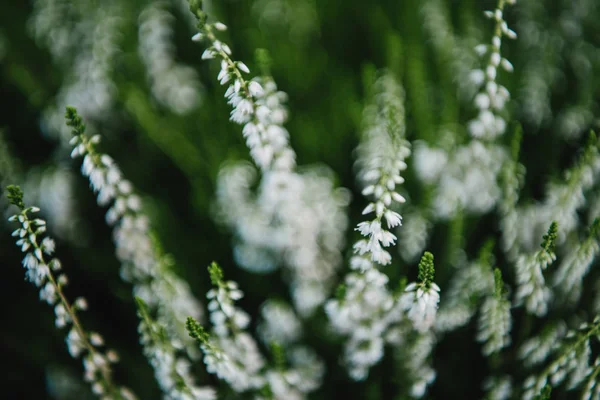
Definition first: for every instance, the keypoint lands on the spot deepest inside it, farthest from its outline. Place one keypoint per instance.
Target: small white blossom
(532, 290)
(421, 304)
(494, 324)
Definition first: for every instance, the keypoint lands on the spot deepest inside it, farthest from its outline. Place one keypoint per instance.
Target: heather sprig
(382, 155)
(233, 355)
(45, 272)
(512, 177)
(365, 309)
(492, 99)
(569, 277)
(495, 320)
(171, 370)
(569, 358)
(564, 200)
(422, 297)
(265, 136)
(142, 261)
(532, 290)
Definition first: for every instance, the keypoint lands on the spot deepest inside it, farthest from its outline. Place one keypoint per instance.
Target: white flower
(492, 98)
(280, 324)
(48, 293)
(74, 343)
(494, 324)
(531, 287)
(48, 245)
(421, 304)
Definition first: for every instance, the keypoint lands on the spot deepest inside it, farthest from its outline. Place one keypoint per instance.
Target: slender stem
(105, 369)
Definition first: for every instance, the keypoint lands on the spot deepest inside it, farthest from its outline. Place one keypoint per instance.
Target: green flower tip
(196, 9)
(595, 228)
(498, 283)
(196, 331)
(195, 6)
(592, 140)
(426, 269)
(340, 292)
(278, 355)
(544, 394)
(550, 238)
(141, 304)
(15, 196)
(216, 274)
(74, 121)
(515, 145)
(142, 307)
(486, 253)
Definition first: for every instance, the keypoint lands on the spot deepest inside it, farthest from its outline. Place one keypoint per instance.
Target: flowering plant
(416, 217)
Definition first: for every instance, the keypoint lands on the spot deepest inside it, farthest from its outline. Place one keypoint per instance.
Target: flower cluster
(535, 350)
(258, 107)
(174, 85)
(493, 97)
(570, 358)
(281, 329)
(531, 286)
(576, 264)
(495, 320)
(381, 158)
(413, 235)
(365, 309)
(143, 264)
(498, 387)
(279, 324)
(371, 316)
(45, 272)
(418, 364)
(172, 371)
(233, 355)
(294, 220)
(458, 184)
(564, 199)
